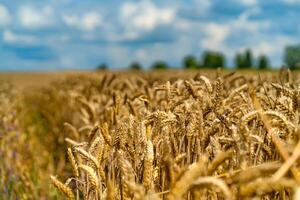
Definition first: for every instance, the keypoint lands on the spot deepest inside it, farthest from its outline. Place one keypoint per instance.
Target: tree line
(215, 59)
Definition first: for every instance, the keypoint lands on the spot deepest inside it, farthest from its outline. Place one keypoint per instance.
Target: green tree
(248, 58)
(292, 56)
(244, 60)
(263, 62)
(135, 66)
(190, 62)
(212, 59)
(102, 66)
(239, 61)
(160, 65)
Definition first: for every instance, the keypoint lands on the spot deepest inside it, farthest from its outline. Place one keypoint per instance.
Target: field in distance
(26, 80)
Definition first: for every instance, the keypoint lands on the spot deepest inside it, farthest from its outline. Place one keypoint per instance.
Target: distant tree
(190, 62)
(248, 58)
(102, 66)
(263, 62)
(292, 56)
(239, 61)
(213, 59)
(135, 66)
(161, 65)
(244, 60)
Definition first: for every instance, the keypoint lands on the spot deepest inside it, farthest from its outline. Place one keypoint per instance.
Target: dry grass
(216, 135)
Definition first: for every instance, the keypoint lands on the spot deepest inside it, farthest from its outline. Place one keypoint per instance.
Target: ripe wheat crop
(144, 136)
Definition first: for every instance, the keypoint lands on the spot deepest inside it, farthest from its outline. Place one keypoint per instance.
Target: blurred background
(118, 34)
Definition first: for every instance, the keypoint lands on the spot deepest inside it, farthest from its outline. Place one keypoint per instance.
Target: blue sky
(77, 34)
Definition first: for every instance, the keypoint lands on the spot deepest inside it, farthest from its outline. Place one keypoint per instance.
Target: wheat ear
(62, 187)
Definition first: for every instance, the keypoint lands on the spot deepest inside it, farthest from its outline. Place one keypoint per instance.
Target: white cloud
(10, 37)
(86, 22)
(5, 17)
(141, 54)
(274, 45)
(265, 48)
(221, 37)
(144, 16)
(120, 55)
(271, 45)
(243, 23)
(291, 2)
(247, 2)
(202, 6)
(36, 18)
(148, 54)
(66, 62)
(215, 36)
(183, 25)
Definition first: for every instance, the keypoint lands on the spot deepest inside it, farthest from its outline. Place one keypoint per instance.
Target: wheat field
(155, 135)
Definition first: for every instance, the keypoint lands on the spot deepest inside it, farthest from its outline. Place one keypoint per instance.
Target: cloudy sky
(80, 34)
